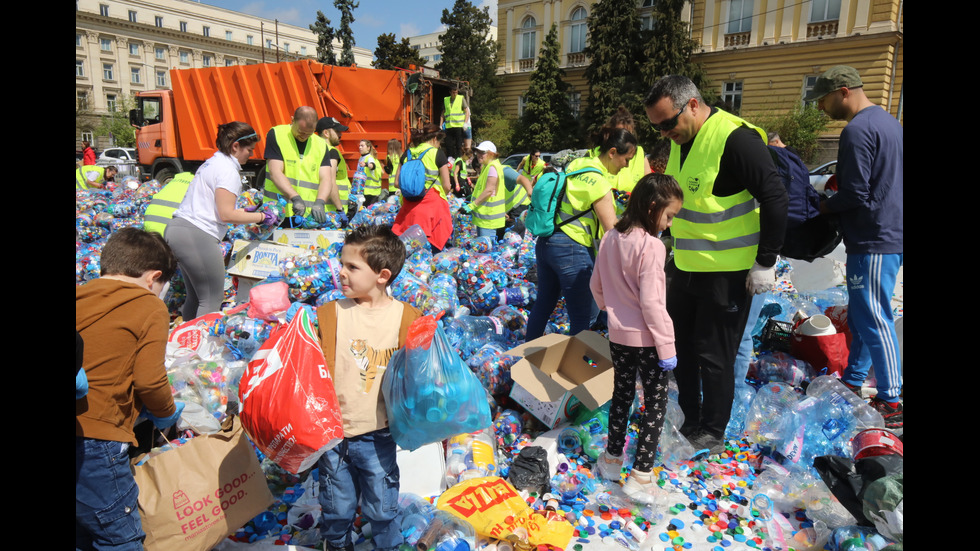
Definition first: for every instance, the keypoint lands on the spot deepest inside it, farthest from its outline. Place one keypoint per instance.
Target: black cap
(330, 122)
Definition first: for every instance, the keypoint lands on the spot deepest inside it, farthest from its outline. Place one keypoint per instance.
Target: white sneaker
(610, 466)
(639, 486)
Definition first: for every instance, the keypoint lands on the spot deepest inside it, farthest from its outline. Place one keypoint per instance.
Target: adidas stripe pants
(870, 283)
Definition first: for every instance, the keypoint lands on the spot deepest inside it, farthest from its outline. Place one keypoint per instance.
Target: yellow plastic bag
(495, 509)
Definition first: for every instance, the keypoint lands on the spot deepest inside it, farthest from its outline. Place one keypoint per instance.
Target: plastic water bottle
(865, 416)
(770, 413)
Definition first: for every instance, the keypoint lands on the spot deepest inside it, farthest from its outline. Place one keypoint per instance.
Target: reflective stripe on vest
(584, 230)
(342, 180)
(81, 182)
(453, 114)
(302, 171)
(161, 209)
(492, 213)
(712, 234)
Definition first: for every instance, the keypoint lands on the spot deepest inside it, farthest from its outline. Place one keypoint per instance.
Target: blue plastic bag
(429, 392)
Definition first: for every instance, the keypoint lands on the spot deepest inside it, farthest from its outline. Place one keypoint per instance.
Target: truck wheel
(164, 175)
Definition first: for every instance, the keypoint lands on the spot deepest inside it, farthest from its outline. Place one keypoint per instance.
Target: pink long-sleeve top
(629, 283)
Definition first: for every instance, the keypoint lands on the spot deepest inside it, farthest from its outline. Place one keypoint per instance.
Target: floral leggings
(627, 362)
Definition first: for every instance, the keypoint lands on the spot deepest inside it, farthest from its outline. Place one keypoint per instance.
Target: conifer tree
(547, 122)
(325, 35)
(391, 54)
(615, 58)
(345, 34)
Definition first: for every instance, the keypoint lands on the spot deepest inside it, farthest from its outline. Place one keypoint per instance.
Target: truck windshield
(151, 110)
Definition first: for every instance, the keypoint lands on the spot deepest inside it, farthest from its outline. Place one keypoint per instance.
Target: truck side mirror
(135, 117)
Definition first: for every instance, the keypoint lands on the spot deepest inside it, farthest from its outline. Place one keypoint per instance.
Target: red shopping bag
(823, 352)
(289, 405)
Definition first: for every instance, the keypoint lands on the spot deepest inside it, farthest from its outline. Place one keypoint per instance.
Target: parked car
(123, 158)
(820, 175)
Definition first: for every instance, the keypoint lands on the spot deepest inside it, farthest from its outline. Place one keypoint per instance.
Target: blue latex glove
(343, 218)
(81, 384)
(468, 208)
(164, 422)
(668, 364)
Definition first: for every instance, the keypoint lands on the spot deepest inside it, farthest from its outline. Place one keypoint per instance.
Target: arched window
(578, 30)
(528, 37)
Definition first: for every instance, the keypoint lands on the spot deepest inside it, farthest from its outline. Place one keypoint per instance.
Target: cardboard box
(260, 259)
(320, 239)
(555, 377)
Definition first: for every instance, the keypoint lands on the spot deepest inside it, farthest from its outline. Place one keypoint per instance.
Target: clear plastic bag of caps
(444, 295)
(414, 239)
(492, 366)
(414, 291)
(449, 261)
(310, 276)
(770, 414)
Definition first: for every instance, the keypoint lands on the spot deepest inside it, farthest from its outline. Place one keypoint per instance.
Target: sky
(372, 18)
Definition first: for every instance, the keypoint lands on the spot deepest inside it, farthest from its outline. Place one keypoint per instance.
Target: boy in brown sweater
(125, 326)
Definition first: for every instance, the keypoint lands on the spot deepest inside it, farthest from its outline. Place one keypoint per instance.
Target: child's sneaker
(893, 414)
(639, 486)
(610, 466)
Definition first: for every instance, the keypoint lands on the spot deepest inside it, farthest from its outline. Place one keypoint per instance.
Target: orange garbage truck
(175, 129)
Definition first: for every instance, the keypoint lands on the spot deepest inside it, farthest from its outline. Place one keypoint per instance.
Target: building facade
(126, 46)
(430, 49)
(760, 55)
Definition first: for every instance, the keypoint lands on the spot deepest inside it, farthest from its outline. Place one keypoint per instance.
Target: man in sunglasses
(726, 239)
(870, 179)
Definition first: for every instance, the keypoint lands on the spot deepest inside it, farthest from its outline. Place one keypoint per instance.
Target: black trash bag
(847, 479)
(529, 470)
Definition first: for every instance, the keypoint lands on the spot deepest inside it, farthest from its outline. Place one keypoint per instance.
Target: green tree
(468, 55)
(116, 123)
(799, 127)
(667, 50)
(391, 54)
(325, 35)
(615, 58)
(547, 122)
(345, 34)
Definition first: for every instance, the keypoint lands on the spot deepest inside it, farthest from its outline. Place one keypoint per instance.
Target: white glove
(761, 279)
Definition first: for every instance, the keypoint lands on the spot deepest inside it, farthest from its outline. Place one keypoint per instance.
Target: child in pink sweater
(629, 283)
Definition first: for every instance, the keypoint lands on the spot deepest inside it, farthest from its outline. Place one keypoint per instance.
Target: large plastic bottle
(770, 414)
(865, 416)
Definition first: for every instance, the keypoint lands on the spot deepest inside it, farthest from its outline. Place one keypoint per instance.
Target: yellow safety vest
(492, 214)
(628, 177)
(343, 180)
(712, 234)
(161, 209)
(517, 196)
(581, 191)
(395, 163)
(372, 178)
(453, 114)
(81, 182)
(532, 172)
(302, 171)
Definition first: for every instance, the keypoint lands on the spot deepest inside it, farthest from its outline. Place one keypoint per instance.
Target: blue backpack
(546, 197)
(411, 177)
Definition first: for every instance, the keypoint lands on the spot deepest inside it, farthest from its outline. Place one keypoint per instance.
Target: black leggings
(627, 362)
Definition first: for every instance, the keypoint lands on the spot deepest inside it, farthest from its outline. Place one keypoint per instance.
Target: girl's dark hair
(232, 132)
(608, 138)
(622, 118)
(653, 190)
(427, 132)
(373, 152)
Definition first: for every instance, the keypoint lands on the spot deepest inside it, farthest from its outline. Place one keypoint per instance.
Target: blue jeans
(564, 268)
(106, 511)
(362, 467)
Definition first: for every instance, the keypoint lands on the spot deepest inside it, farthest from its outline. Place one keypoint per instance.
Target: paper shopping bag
(194, 496)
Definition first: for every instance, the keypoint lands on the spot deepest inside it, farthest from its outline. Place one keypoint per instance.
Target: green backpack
(547, 195)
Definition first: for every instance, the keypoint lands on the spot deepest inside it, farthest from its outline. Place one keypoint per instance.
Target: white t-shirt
(199, 207)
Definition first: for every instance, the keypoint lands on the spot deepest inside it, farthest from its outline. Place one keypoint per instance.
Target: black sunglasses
(670, 123)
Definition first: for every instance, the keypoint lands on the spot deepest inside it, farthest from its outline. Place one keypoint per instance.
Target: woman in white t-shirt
(201, 220)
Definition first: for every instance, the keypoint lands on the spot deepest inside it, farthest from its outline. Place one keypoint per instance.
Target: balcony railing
(577, 58)
(526, 64)
(737, 39)
(822, 29)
